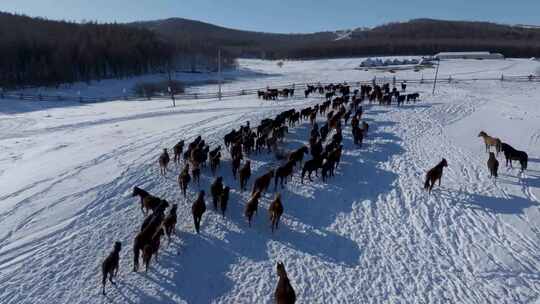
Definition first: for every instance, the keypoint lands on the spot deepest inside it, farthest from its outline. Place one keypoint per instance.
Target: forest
(40, 52)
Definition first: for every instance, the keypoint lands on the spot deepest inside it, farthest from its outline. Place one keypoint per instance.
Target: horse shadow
(499, 205)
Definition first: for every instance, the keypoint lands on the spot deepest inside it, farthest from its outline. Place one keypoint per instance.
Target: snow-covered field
(370, 235)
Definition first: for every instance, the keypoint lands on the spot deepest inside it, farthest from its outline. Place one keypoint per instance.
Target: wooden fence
(253, 91)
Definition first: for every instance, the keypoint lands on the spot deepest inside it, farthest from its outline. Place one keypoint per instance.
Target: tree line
(36, 51)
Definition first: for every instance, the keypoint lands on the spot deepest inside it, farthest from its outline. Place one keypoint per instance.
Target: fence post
(449, 78)
(40, 97)
(502, 77)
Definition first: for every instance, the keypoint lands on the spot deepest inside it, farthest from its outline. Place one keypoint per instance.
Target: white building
(469, 55)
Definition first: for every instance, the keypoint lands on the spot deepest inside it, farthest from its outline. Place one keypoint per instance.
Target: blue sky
(283, 16)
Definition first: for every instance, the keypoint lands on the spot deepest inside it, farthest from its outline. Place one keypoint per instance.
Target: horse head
(444, 163)
(280, 268)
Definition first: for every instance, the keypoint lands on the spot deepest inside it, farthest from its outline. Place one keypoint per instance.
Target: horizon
(278, 16)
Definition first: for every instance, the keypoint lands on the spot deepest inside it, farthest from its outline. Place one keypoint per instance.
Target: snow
(369, 235)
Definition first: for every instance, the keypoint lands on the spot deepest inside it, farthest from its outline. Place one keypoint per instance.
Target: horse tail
(498, 146)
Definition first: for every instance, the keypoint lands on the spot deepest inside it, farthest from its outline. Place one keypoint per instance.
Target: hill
(418, 36)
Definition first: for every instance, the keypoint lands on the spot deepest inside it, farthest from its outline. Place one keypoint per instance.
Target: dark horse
(148, 201)
(435, 174)
(512, 154)
(284, 291)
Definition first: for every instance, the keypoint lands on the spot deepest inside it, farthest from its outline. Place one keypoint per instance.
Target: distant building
(468, 55)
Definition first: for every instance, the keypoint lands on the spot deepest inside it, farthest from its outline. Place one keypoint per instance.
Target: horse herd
(382, 94)
(325, 148)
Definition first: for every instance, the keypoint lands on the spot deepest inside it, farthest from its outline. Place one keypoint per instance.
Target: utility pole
(219, 73)
(436, 74)
(170, 87)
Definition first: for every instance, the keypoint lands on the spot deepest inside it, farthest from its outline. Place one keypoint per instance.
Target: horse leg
(135, 256)
(104, 282)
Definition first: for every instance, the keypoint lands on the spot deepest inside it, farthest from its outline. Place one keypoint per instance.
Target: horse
(435, 174)
(283, 173)
(109, 267)
(275, 210)
(284, 293)
(262, 182)
(252, 206)
(224, 199)
(163, 162)
(178, 150)
(512, 154)
(214, 162)
(491, 141)
(358, 135)
(215, 190)
(244, 175)
(148, 201)
(169, 223)
(327, 169)
(197, 210)
(236, 161)
(310, 166)
(493, 165)
(146, 235)
(183, 179)
(298, 155)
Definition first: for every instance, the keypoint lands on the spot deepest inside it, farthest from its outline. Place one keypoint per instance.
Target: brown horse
(284, 293)
(178, 149)
(252, 206)
(164, 161)
(109, 267)
(275, 210)
(491, 141)
(183, 179)
(244, 175)
(169, 223)
(298, 155)
(236, 161)
(435, 174)
(283, 173)
(152, 248)
(196, 173)
(197, 210)
(148, 201)
(224, 200)
(214, 162)
(215, 190)
(493, 165)
(146, 235)
(262, 182)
